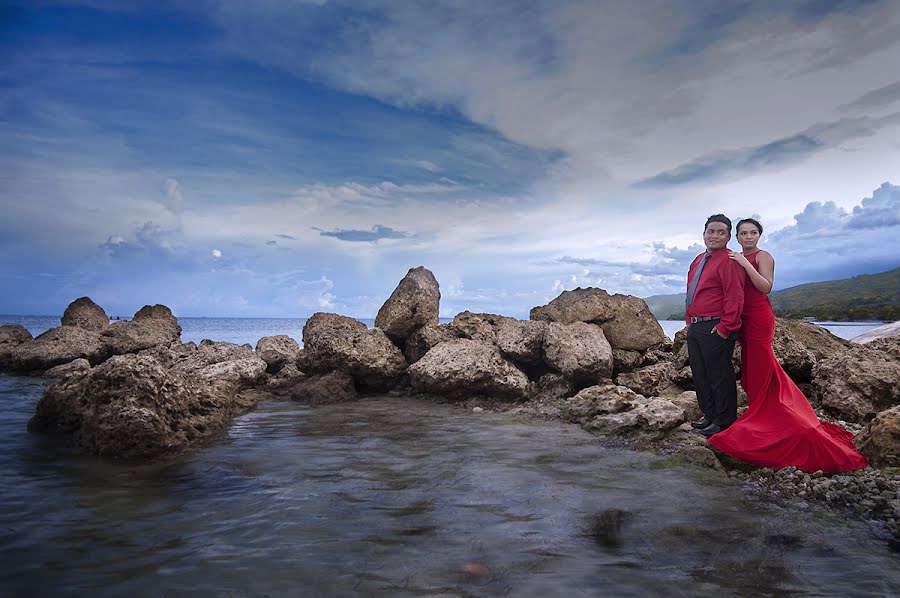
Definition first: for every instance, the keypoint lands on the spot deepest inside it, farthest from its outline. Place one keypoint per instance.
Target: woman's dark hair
(718, 218)
(752, 221)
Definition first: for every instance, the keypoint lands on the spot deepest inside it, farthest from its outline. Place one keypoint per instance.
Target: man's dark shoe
(711, 429)
(701, 423)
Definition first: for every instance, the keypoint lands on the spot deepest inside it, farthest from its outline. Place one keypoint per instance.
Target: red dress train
(779, 427)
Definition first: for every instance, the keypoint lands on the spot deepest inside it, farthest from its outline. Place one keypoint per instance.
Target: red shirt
(720, 291)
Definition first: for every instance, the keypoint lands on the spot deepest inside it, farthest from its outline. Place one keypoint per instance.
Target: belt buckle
(694, 319)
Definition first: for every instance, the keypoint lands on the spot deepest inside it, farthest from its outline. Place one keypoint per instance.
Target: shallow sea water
(400, 497)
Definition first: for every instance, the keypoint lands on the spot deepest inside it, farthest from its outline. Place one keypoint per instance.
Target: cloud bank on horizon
(228, 158)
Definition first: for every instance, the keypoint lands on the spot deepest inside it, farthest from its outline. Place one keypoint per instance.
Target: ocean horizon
(245, 330)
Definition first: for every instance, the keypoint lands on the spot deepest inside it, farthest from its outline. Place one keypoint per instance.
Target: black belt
(695, 319)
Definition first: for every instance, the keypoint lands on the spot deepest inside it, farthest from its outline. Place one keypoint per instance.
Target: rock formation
(277, 351)
(84, 313)
(463, 367)
(413, 304)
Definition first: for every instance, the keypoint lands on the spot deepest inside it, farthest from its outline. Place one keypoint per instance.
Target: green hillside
(864, 297)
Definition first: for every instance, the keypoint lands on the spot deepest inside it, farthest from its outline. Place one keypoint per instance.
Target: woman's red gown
(779, 427)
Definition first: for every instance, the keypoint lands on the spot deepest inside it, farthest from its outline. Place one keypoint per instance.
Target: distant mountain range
(864, 297)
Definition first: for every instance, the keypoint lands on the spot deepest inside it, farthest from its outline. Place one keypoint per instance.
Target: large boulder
(277, 351)
(227, 365)
(335, 342)
(855, 385)
(478, 327)
(799, 345)
(422, 340)
(152, 325)
(522, 341)
(86, 314)
(57, 346)
(578, 350)
(626, 320)
(879, 441)
(11, 336)
(413, 304)
(132, 406)
(462, 368)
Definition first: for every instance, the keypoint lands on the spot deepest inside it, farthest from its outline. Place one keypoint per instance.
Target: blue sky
(277, 158)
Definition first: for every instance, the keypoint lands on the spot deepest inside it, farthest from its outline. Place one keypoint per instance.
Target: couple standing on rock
(727, 300)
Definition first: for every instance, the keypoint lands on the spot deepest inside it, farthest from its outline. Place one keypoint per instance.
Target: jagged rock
(63, 370)
(855, 385)
(220, 363)
(648, 381)
(679, 349)
(654, 356)
(462, 368)
(522, 341)
(626, 320)
(422, 340)
(333, 387)
(597, 400)
(551, 387)
(413, 304)
(11, 336)
(887, 344)
(799, 345)
(625, 361)
(57, 346)
(132, 406)
(334, 342)
(277, 351)
(152, 325)
(578, 350)
(687, 400)
(478, 327)
(879, 441)
(84, 313)
(610, 410)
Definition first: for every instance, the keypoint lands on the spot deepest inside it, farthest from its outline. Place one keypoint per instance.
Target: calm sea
(250, 330)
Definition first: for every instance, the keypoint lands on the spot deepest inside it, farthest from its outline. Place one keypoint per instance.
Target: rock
(687, 400)
(879, 441)
(11, 336)
(684, 378)
(334, 342)
(84, 313)
(648, 381)
(57, 346)
(131, 406)
(889, 330)
(626, 361)
(422, 340)
(333, 387)
(522, 341)
(626, 320)
(413, 304)
(799, 345)
(888, 344)
(65, 369)
(610, 410)
(578, 350)
(277, 351)
(855, 385)
(151, 326)
(231, 367)
(551, 387)
(597, 400)
(478, 327)
(462, 368)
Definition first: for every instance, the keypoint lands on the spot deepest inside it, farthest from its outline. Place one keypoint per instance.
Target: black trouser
(710, 358)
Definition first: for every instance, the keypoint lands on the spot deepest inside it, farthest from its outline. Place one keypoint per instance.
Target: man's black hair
(752, 221)
(719, 218)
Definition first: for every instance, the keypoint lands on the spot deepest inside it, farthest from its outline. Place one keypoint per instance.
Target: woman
(779, 427)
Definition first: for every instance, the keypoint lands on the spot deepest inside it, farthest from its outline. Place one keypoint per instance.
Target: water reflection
(400, 497)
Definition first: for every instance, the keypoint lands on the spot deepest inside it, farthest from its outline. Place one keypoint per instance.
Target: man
(714, 302)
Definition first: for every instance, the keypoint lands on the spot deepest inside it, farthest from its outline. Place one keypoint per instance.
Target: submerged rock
(333, 387)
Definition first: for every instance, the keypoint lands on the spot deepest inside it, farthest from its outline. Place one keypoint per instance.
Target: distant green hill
(864, 297)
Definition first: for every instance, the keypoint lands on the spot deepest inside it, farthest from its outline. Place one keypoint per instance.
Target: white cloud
(216, 253)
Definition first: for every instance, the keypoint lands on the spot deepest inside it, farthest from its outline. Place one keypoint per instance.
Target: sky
(281, 157)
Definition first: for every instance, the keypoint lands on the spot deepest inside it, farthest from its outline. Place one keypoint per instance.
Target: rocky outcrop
(413, 304)
(856, 385)
(610, 410)
(333, 342)
(11, 336)
(58, 346)
(879, 441)
(422, 340)
(73, 367)
(578, 351)
(228, 366)
(277, 351)
(626, 320)
(132, 406)
(333, 387)
(463, 368)
(84, 313)
(151, 326)
(799, 345)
